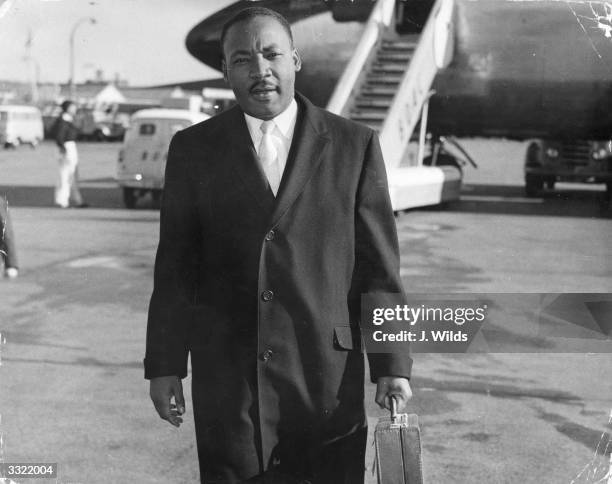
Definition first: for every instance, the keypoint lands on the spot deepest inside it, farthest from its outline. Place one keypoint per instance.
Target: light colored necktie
(268, 156)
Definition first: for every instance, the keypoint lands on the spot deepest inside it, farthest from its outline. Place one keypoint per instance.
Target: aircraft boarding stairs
(387, 85)
(376, 93)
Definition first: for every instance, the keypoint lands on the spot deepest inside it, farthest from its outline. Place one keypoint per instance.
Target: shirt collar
(285, 121)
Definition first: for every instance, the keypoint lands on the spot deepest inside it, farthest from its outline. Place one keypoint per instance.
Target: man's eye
(240, 60)
(272, 55)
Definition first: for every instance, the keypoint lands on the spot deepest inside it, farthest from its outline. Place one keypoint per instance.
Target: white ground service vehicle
(142, 159)
(20, 124)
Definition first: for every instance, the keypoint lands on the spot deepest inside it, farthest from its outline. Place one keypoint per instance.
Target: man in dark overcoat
(275, 221)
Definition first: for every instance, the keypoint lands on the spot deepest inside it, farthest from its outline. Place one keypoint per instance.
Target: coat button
(266, 355)
(270, 235)
(267, 295)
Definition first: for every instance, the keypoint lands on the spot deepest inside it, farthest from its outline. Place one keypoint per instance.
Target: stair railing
(380, 18)
(433, 52)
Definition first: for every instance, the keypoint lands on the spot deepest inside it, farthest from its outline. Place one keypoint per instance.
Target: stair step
(398, 45)
(399, 57)
(383, 95)
(374, 90)
(369, 102)
(380, 85)
(368, 115)
(388, 67)
(384, 79)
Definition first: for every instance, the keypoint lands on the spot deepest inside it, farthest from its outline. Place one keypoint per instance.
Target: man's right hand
(162, 390)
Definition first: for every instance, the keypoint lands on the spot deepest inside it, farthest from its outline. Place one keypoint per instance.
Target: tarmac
(72, 392)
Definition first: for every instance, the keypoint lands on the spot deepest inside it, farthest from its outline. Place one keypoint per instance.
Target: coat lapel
(244, 160)
(309, 140)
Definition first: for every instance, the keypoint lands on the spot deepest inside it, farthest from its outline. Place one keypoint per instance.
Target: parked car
(92, 124)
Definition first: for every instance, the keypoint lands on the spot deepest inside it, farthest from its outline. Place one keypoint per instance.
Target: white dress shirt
(282, 134)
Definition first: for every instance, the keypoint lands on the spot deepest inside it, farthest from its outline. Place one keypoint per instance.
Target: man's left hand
(397, 386)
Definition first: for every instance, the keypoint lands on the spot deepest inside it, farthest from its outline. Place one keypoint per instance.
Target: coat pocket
(347, 338)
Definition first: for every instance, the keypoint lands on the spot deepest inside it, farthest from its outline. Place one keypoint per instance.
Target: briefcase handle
(401, 419)
(393, 399)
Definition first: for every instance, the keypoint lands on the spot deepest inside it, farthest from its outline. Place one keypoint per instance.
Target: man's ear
(297, 60)
(224, 70)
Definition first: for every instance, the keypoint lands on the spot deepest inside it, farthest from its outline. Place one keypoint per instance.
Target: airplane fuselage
(540, 68)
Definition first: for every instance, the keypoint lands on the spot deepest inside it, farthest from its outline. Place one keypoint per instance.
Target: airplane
(535, 70)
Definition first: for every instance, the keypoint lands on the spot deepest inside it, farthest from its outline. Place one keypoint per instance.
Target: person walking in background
(65, 137)
(8, 253)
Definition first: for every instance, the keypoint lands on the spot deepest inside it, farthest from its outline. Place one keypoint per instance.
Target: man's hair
(66, 104)
(251, 13)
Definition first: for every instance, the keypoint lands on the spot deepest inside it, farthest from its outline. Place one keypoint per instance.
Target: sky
(141, 40)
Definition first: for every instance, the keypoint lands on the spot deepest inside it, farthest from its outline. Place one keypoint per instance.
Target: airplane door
(410, 17)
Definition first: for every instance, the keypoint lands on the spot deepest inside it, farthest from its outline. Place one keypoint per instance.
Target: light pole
(81, 21)
(34, 68)
(34, 77)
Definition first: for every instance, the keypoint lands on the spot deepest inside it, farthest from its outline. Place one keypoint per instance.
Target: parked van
(142, 159)
(20, 124)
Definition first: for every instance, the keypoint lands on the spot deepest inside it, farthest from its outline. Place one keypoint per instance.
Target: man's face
(260, 65)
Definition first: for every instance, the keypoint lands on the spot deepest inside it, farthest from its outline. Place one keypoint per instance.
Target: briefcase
(397, 441)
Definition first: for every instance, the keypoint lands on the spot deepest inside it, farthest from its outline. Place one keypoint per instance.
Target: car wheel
(533, 185)
(129, 197)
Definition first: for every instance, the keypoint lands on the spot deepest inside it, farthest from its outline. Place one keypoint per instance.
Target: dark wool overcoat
(265, 292)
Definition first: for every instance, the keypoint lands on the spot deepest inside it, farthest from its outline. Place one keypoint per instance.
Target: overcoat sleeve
(176, 263)
(377, 253)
